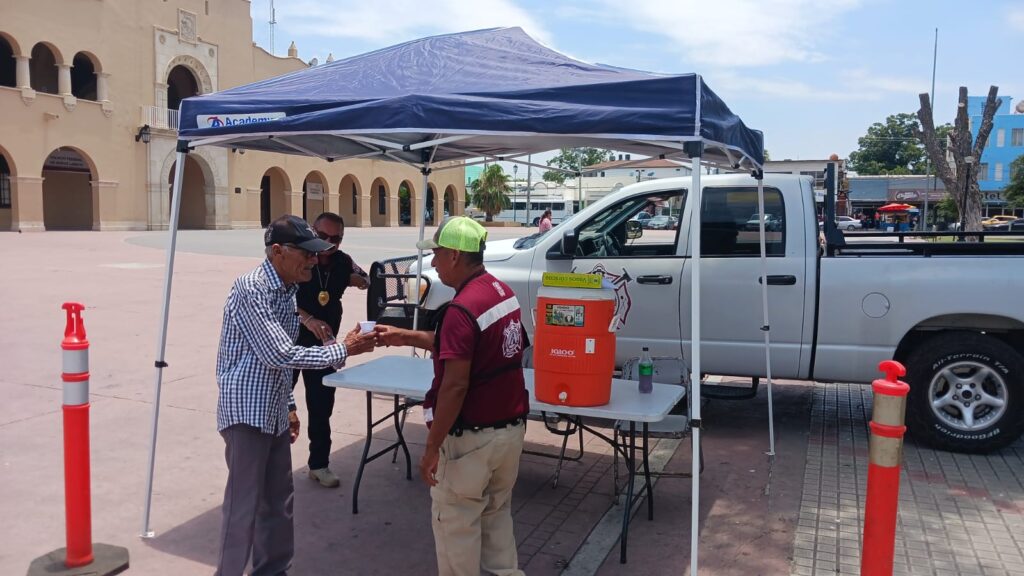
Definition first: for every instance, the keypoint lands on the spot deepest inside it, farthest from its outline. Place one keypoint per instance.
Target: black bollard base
(107, 560)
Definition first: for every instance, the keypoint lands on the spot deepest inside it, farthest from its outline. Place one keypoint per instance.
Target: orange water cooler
(574, 346)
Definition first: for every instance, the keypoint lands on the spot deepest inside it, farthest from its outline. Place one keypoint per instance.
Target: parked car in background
(642, 217)
(1017, 224)
(662, 223)
(997, 220)
(771, 222)
(848, 223)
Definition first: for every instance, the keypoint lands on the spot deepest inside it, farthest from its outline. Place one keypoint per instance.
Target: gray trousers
(257, 503)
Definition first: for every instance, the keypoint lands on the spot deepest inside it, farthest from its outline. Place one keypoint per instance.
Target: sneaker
(325, 477)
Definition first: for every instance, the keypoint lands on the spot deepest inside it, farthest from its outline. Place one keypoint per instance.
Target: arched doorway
(314, 193)
(194, 208)
(43, 68)
(67, 190)
(273, 200)
(379, 194)
(431, 212)
(407, 205)
(181, 84)
(6, 192)
(83, 76)
(450, 200)
(8, 67)
(349, 192)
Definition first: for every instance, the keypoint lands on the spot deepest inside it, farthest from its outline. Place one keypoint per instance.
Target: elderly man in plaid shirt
(255, 409)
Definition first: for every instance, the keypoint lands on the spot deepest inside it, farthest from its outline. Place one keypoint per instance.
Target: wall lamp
(144, 134)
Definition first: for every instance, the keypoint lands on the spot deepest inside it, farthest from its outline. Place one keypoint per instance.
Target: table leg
(401, 440)
(647, 476)
(630, 458)
(366, 450)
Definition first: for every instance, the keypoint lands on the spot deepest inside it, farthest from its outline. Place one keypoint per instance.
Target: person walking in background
(476, 407)
(545, 221)
(255, 410)
(320, 312)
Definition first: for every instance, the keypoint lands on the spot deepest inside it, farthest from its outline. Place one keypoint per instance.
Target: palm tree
(490, 191)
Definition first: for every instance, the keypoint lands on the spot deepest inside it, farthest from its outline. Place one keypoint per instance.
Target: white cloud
(402, 20)
(786, 89)
(858, 85)
(1016, 19)
(736, 33)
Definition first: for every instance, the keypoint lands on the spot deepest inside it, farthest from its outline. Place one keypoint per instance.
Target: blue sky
(812, 75)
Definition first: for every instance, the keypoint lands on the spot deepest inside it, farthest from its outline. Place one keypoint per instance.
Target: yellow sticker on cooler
(571, 280)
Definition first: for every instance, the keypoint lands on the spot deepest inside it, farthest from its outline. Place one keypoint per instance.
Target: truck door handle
(654, 279)
(779, 280)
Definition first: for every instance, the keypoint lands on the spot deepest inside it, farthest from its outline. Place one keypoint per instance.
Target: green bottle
(646, 370)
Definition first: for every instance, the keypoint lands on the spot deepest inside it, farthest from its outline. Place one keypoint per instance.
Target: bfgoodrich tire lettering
(966, 392)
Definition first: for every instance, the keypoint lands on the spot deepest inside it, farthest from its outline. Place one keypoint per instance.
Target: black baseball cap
(294, 230)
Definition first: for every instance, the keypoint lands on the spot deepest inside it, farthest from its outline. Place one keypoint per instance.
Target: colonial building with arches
(90, 92)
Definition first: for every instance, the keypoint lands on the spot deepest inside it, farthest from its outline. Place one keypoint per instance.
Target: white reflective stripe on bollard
(75, 361)
(76, 393)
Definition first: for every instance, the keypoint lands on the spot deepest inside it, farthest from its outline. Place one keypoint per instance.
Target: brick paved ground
(959, 514)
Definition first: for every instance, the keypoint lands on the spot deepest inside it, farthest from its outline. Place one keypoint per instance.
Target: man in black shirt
(319, 304)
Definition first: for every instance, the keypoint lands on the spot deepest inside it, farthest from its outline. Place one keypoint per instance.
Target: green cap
(457, 233)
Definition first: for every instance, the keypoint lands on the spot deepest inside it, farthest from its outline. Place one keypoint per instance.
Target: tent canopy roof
(492, 93)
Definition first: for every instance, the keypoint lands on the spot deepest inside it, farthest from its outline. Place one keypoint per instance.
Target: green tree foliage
(947, 210)
(570, 159)
(491, 190)
(892, 147)
(1014, 192)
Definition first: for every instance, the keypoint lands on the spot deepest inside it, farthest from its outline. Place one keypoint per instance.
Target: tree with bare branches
(959, 173)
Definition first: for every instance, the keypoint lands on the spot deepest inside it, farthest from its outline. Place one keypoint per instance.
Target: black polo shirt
(333, 277)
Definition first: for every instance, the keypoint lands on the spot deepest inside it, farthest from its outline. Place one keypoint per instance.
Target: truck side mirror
(569, 242)
(634, 229)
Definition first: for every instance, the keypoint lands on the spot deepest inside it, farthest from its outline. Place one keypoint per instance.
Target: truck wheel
(966, 392)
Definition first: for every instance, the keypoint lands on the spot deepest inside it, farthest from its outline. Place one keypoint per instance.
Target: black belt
(458, 429)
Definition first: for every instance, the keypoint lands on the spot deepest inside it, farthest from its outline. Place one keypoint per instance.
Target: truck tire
(966, 392)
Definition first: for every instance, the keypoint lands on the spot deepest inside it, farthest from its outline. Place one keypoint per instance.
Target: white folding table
(408, 379)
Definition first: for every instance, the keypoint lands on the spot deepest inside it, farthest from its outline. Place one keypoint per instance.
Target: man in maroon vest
(476, 407)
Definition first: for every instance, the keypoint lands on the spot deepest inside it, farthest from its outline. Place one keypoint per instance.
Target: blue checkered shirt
(258, 353)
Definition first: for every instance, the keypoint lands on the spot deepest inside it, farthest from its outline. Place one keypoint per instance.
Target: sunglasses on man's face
(332, 239)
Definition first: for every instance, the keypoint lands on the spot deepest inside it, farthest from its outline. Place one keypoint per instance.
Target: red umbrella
(895, 208)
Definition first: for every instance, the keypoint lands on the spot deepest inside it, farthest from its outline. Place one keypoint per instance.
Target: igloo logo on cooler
(563, 353)
(220, 120)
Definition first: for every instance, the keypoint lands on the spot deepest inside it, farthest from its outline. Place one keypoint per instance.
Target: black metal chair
(386, 298)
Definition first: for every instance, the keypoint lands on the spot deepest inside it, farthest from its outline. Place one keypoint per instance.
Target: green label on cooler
(563, 315)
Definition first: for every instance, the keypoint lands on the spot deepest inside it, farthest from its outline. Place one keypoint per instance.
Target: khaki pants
(472, 503)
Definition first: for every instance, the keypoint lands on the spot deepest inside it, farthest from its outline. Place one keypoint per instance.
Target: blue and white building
(1005, 144)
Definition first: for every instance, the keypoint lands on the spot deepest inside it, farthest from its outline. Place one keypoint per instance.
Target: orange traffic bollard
(77, 496)
(885, 454)
(80, 556)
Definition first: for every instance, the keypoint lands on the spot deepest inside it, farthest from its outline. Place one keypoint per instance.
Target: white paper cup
(366, 326)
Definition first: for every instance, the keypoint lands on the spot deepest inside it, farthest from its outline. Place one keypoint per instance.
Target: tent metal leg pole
(695, 367)
(419, 253)
(161, 343)
(765, 326)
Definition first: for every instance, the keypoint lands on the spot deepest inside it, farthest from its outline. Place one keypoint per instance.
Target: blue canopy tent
(495, 94)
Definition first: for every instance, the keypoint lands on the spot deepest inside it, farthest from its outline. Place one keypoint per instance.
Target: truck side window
(641, 226)
(730, 222)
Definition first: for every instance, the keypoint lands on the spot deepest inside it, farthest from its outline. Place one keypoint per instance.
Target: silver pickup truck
(948, 310)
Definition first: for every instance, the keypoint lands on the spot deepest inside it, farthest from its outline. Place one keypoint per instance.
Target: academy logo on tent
(220, 120)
